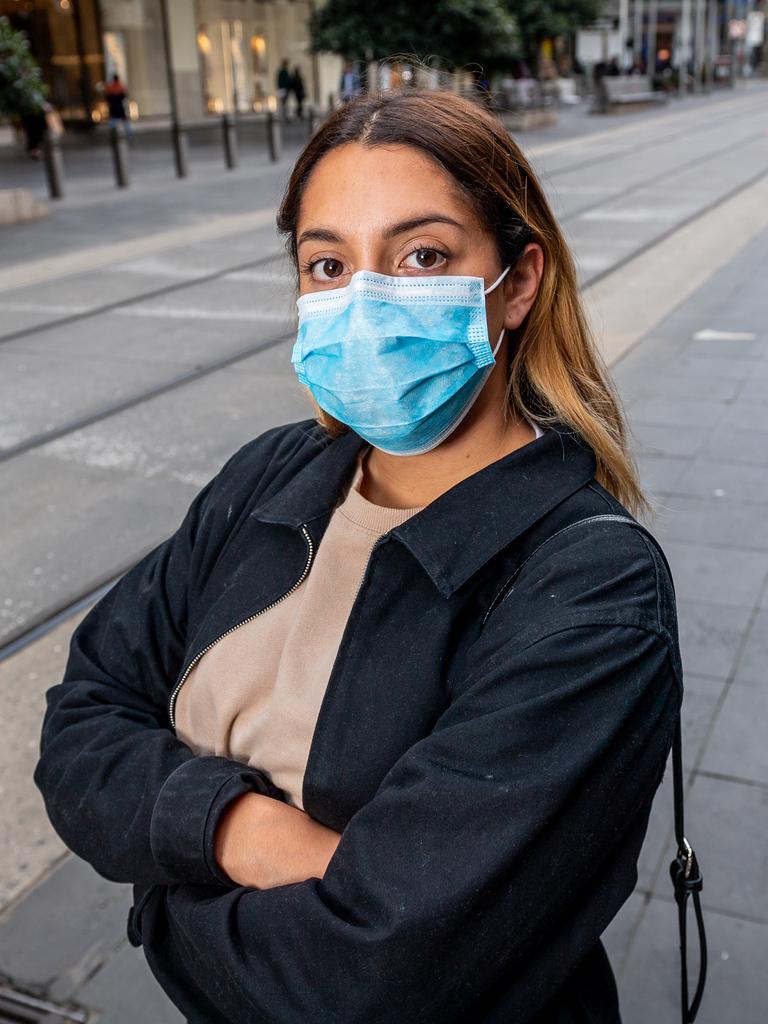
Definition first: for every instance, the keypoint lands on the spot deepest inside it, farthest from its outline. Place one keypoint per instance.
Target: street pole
(84, 74)
(119, 154)
(178, 135)
(685, 47)
(54, 165)
(712, 48)
(653, 28)
(698, 43)
(637, 33)
(229, 122)
(623, 32)
(731, 43)
(274, 137)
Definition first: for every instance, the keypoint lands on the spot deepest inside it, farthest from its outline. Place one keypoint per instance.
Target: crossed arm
(262, 842)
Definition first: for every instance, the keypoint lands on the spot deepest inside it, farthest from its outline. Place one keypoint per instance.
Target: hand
(263, 842)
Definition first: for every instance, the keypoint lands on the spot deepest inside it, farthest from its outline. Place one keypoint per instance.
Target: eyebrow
(327, 235)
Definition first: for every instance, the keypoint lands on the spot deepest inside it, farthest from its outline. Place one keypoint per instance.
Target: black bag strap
(684, 869)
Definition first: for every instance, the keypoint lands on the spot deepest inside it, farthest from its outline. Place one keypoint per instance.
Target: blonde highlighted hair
(557, 376)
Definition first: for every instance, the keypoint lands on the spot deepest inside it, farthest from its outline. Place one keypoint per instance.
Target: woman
(376, 732)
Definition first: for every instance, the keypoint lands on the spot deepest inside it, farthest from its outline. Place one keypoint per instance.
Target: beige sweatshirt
(256, 694)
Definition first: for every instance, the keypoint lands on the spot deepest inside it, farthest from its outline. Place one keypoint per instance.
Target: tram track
(43, 438)
(48, 620)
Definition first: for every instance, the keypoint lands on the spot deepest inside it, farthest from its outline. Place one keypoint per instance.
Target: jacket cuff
(188, 809)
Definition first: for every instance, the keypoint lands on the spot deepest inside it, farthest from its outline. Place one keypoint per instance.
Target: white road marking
(259, 276)
(637, 214)
(190, 313)
(159, 312)
(710, 335)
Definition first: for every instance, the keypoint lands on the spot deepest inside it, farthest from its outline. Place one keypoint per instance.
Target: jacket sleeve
(106, 732)
(494, 854)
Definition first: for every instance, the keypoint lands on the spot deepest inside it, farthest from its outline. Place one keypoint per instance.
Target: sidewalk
(696, 389)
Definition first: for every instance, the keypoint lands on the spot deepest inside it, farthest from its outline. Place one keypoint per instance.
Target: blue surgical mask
(400, 360)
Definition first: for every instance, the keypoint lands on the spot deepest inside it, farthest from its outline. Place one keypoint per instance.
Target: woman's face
(392, 210)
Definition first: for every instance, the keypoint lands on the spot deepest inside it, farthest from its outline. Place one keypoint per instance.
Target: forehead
(358, 187)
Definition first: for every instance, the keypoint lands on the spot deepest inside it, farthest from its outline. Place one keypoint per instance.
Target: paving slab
(724, 576)
(727, 822)
(63, 930)
(738, 745)
(735, 989)
(711, 636)
(126, 988)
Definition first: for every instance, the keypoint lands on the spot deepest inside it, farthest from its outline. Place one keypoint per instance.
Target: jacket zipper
(198, 656)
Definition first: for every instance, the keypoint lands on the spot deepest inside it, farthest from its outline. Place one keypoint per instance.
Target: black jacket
(494, 729)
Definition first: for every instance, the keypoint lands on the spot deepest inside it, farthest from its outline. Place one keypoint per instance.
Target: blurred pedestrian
(298, 90)
(350, 85)
(116, 94)
(284, 81)
(33, 123)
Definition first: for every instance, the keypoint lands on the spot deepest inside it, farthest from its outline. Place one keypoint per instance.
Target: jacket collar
(456, 534)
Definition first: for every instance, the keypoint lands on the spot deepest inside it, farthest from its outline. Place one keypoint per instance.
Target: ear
(521, 285)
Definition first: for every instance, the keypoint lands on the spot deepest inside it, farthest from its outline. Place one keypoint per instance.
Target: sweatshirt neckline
(379, 519)
(364, 513)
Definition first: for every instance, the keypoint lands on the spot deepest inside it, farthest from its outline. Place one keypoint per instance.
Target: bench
(625, 90)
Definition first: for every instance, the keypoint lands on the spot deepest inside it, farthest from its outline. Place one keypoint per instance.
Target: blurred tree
(454, 32)
(22, 89)
(545, 19)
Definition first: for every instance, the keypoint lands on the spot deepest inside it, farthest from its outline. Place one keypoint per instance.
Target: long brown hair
(557, 375)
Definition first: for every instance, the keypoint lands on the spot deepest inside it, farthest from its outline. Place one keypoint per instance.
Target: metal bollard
(331, 102)
(229, 135)
(311, 125)
(119, 147)
(273, 137)
(54, 165)
(180, 150)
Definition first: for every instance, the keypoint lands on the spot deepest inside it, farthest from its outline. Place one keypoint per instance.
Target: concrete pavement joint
(736, 779)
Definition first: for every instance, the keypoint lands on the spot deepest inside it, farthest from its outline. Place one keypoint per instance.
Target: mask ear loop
(498, 343)
(490, 289)
(501, 275)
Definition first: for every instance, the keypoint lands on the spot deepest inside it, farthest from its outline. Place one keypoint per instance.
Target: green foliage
(546, 19)
(22, 89)
(455, 32)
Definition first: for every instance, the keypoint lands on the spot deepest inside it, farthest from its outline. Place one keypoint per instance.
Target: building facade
(225, 54)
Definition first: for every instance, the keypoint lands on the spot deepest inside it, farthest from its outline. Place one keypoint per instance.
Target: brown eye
(424, 259)
(325, 269)
(332, 268)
